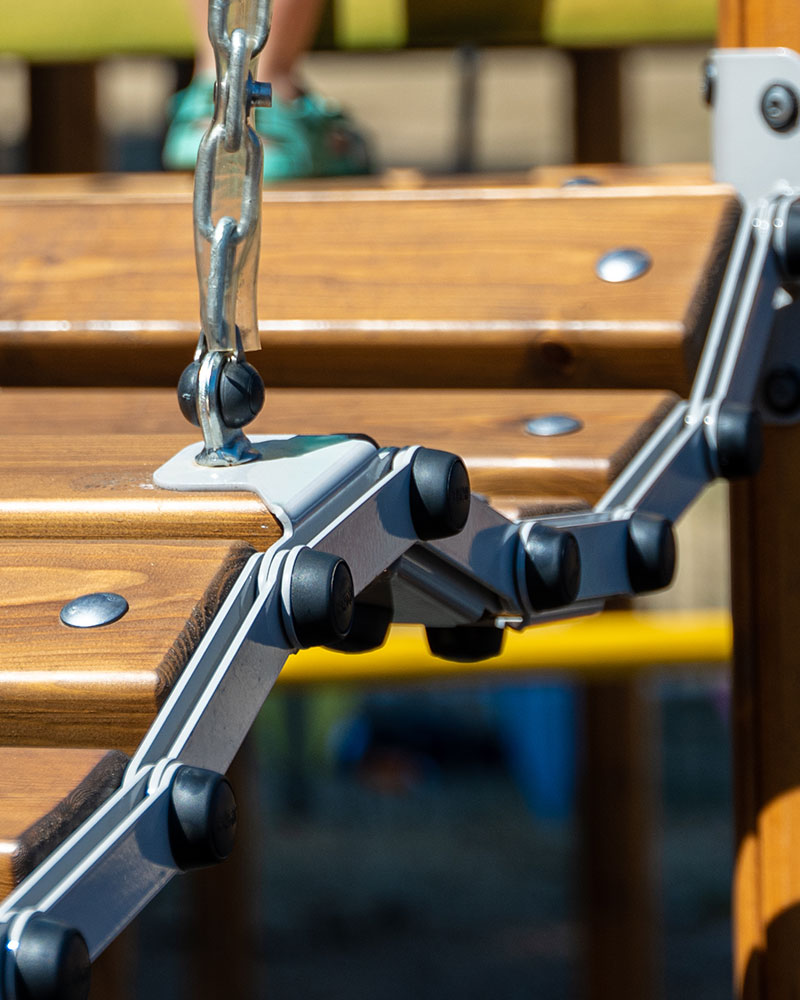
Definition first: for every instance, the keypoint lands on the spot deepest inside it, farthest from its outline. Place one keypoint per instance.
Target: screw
(779, 107)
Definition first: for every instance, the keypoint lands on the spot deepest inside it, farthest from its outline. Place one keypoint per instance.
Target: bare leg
(294, 24)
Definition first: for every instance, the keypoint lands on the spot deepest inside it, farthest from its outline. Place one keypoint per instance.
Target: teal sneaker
(308, 137)
(190, 112)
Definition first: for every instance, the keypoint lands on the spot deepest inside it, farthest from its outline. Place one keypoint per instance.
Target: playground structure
(764, 897)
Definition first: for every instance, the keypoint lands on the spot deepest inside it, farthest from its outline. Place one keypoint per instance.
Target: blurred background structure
(411, 843)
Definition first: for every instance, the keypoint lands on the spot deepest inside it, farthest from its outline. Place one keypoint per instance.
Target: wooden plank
(45, 794)
(101, 687)
(105, 488)
(464, 287)
(91, 487)
(178, 186)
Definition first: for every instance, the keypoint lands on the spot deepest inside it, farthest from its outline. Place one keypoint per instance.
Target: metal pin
(93, 610)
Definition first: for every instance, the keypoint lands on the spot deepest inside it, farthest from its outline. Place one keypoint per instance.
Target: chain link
(227, 212)
(227, 192)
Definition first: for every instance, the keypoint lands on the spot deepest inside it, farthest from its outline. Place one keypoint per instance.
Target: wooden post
(765, 542)
(65, 134)
(618, 890)
(597, 109)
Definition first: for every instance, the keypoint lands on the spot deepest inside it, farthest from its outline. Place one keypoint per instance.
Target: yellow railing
(611, 642)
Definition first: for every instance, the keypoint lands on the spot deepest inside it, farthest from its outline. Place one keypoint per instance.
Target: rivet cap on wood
(93, 610)
(623, 264)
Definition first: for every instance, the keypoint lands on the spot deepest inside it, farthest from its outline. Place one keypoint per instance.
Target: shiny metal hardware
(227, 216)
(553, 425)
(623, 264)
(93, 610)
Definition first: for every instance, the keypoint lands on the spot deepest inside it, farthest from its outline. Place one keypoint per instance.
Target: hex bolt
(650, 552)
(466, 643)
(739, 440)
(439, 495)
(321, 598)
(51, 962)
(552, 567)
(93, 610)
(202, 818)
(779, 107)
(259, 95)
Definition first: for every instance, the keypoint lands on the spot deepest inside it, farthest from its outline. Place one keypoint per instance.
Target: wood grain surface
(765, 537)
(104, 485)
(45, 794)
(101, 687)
(178, 185)
(480, 286)
(765, 23)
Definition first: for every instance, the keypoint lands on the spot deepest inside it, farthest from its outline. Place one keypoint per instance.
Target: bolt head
(779, 107)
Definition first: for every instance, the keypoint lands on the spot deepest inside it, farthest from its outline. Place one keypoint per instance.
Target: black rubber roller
(791, 262)
(552, 567)
(321, 598)
(739, 441)
(187, 392)
(651, 552)
(466, 643)
(51, 962)
(241, 393)
(202, 818)
(440, 494)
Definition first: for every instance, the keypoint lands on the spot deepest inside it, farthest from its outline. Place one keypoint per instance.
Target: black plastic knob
(202, 818)
(791, 261)
(241, 393)
(440, 494)
(739, 440)
(187, 392)
(51, 962)
(552, 567)
(466, 643)
(368, 630)
(651, 552)
(321, 598)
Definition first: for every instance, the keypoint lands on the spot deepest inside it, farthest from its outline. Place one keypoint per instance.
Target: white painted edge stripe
(346, 325)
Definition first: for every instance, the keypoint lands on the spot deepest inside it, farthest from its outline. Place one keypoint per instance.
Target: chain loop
(227, 212)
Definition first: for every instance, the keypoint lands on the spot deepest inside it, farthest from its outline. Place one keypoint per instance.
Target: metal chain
(227, 217)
